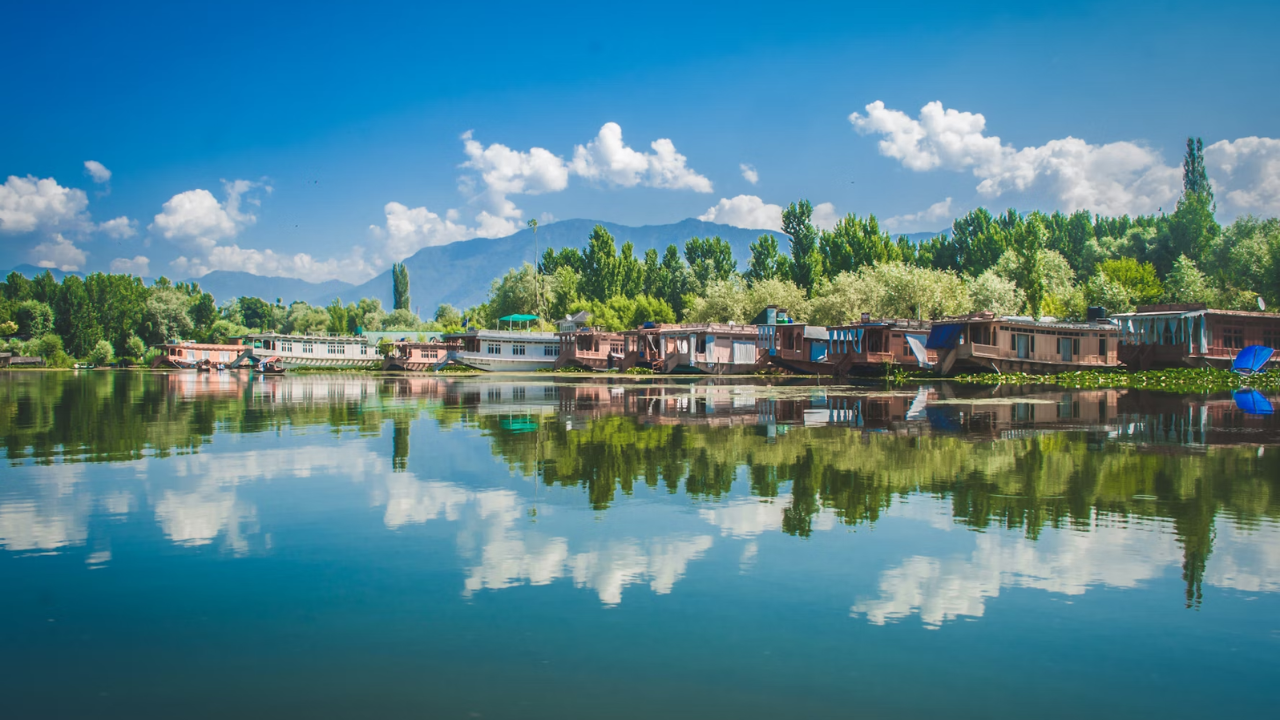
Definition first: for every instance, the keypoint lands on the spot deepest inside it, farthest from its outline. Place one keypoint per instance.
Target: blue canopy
(1251, 359)
(1253, 402)
(943, 337)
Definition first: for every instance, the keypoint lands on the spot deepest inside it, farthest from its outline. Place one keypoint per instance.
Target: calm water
(184, 545)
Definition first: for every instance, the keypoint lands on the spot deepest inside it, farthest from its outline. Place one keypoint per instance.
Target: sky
(327, 141)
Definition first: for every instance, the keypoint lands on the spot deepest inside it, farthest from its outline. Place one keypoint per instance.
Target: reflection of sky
(219, 498)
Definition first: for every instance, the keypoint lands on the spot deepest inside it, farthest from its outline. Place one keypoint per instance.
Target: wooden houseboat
(505, 350)
(869, 346)
(711, 348)
(1192, 335)
(982, 342)
(331, 351)
(593, 349)
(418, 355)
(795, 346)
(191, 355)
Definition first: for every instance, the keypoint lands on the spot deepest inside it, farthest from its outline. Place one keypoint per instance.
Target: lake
(354, 545)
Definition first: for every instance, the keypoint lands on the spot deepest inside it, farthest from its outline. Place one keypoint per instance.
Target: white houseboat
(505, 350)
(331, 351)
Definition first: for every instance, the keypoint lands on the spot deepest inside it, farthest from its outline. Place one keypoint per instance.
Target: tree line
(1034, 264)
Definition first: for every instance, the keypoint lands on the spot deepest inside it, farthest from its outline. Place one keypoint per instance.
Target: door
(1064, 345)
(1020, 342)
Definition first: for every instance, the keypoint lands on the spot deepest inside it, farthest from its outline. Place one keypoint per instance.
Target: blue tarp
(1253, 402)
(1251, 359)
(943, 337)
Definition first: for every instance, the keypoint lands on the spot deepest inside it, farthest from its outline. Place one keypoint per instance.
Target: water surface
(195, 545)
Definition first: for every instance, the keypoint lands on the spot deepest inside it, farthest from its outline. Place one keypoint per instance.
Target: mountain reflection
(1066, 490)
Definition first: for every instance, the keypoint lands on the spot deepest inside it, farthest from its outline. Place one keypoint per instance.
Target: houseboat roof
(192, 345)
(728, 328)
(893, 323)
(1190, 310)
(1104, 324)
(320, 337)
(378, 336)
(502, 335)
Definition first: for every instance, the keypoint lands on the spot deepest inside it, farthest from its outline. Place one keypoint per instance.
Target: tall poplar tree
(806, 263)
(400, 286)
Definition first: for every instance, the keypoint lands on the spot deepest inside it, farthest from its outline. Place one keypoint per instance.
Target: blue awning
(943, 337)
(1251, 359)
(1253, 402)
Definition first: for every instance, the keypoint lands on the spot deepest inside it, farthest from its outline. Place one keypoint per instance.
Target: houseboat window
(1232, 337)
(517, 349)
(549, 350)
(1269, 338)
(1102, 347)
(873, 343)
(702, 344)
(306, 347)
(493, 349)
(364, 349)
(1075, 346)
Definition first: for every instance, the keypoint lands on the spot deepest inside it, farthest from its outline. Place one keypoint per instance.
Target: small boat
(204, 366)
(271, 366)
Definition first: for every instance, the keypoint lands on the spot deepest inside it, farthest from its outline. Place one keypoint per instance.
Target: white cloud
(119, 228)
(824, 216)
(197, 217)
(196, 220)
(29, 204)
(745, 211)
(1248, 173)
(97, 171)
(607, 158)
(140, 265)
(926, 219)
(408, 230)
(1115, 178)
(749, 173)
(58, 252)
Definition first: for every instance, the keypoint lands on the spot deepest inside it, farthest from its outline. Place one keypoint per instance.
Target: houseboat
(418, 356)
(593, 349)
(505, 350)
(1192, 335)
(327, 351)
(869, 346)
(192, 355)
(983, 342)
(710, 348)
(795, 346)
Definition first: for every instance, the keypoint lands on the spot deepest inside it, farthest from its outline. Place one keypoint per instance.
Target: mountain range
(460, 273)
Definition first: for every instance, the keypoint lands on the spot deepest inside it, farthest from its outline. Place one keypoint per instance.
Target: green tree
(448, 317)
(34, 318)
(1186, 284)
(517, 292)
(767, 263)
(203, 312)
(1030, 273)
(17, 287)
(806, 262)
(710, 259)
(630, 272)
(400, 286)
(165, 316)
(1195, 179)
(135, 348)
(600, 279)
(1139, 279)
(44, 288)
(855, 242)
(339, 318)
(119, 303)
(8, 328)
(997, 293)
(101, 353)
(74, 319)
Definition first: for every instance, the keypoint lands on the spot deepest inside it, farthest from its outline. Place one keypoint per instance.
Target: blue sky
(276, 140)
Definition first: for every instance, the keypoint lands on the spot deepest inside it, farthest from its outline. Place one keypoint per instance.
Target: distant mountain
(31, 271)
(228, 284)
(460, 273)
